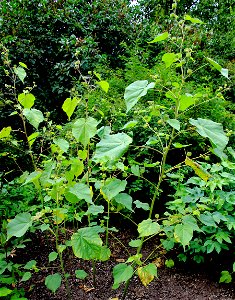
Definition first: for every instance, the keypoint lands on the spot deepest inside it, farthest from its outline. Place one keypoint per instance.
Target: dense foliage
(111, 108)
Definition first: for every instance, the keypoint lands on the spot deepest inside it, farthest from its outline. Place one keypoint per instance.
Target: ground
(182, 282)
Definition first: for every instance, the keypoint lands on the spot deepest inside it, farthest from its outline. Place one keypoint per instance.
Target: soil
(184, 282)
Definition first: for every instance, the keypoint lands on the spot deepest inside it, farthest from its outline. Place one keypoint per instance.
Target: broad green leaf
(33, 177)
(5, 132)
(135, 169)
(86, 243)
(62, 143)
(112, 147)
(191, 221)
(135, 243)
(193, 20)
(23, 65)
(218, 67)
(183, 234)
(34, 116)
(104, 254)
(32, 138)
(5, 291)
(69, 106)
(95, 210)
(211, 130)
(139, 204)
(186, 101)
(19, 225)
(161, 37)
(30, 265)
(104, 85)
(125, 200)
(169, 59)
(26, 276)
(130, 124)
(225, 277)
(121, 273)
(135, 91)
(80, 191)
(148, 227)
(84, 129)
(52, 256)
(26, 100)
(174, 123)
(81, 274)
(207, 219)
(113, 187)
(53, 282)
(20, 72)
(197, 169)
(147, 273)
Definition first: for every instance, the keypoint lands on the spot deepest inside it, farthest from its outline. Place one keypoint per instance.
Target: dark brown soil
(171, 284)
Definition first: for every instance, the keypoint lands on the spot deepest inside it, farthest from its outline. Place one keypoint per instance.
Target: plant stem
(94, 272)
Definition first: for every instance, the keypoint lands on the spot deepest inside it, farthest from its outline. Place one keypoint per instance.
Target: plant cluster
(85, 171)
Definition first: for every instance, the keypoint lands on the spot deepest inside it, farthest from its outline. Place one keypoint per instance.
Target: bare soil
(184, 282)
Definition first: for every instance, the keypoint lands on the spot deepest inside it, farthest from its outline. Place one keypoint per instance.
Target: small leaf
(23, 65)
(32, 138)
(52, 256)
(139, 204)
(112, 187)
(169, 59)
(193, 20)
(81, 274)
(135, 243)
(211, 130)
(104, 85)
(19, 225)
(30, 265)
(135, 91)
(69, 106)
(95, 210)
(148, 227)
(197, 169)
(26, 100)
(225, 277)
(121, 273)
(62, 143)
(26, 276)
(53, 282)
(186, 101)
(169, 263)
(20, 72)
(79, 192)
(218, 67)
(135, 169)
(5, 291)
(125, 200)
(34, 116)
(5, 132)
(147, 273)
(174, 123)
(161, 37)
(84, 129)
(183, 234)
(130, 124)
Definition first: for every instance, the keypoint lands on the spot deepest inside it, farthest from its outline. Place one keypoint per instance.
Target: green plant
(82, 169)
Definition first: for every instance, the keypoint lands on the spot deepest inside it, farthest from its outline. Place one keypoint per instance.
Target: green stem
(107, 225)
(94, 272)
